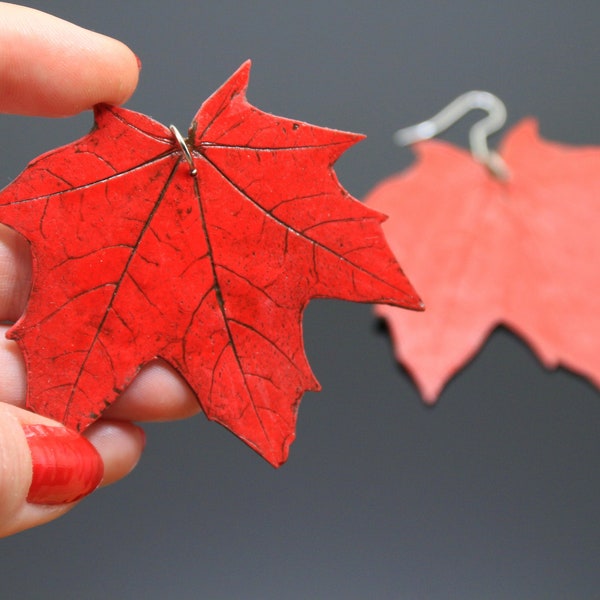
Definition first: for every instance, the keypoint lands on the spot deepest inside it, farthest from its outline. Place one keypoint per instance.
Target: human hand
(49, 67)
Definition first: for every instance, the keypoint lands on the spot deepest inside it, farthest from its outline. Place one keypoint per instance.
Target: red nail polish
(139, 62)
(66, 466)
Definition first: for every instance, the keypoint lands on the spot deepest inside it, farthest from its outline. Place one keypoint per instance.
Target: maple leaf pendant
(205, 258)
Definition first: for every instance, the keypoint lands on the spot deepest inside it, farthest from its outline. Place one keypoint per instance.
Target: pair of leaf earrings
(204, 252)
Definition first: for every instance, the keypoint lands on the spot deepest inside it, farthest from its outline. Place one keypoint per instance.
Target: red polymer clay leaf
(523, 253)
(136, 259)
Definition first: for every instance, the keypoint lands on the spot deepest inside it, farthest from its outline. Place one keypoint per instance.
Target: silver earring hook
(477, 135)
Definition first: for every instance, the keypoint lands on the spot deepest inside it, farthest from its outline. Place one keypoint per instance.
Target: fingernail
(66, 466)
(139, 62)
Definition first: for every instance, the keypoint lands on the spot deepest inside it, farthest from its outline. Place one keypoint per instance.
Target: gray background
(491, 494)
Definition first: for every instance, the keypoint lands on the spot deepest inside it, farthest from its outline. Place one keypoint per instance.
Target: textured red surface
(524, 253)
(135, 259)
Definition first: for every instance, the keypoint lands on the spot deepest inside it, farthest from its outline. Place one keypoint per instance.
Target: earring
(508, 238)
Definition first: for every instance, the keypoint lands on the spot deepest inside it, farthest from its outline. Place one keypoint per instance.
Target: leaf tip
(355, 138)
(275, 455)
(528, 130)
(241, 77)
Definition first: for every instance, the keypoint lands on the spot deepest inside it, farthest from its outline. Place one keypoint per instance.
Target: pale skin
(49, 67)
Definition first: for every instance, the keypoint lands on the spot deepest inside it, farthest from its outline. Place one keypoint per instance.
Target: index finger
(50, 67)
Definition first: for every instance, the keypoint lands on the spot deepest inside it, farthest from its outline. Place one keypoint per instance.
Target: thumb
(44, 468)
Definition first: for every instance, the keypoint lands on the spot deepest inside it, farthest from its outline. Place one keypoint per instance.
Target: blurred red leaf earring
(509, 238)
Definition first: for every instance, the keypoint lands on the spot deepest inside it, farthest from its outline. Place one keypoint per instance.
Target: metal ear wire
(477, 135)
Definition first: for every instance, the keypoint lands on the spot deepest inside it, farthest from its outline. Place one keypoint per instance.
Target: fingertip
(17, 473)
(120, 444)
(50, 67)
(158, 393)
(110, 75)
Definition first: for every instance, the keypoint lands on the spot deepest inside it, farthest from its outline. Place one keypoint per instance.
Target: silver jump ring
(185, 149)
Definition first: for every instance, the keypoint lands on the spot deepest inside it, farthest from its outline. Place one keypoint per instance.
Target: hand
(49, 67)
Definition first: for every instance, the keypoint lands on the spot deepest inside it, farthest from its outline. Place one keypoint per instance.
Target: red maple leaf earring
(202, 252)
(509, 238)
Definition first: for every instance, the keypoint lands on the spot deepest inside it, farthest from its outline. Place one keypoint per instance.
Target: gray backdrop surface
(491, 494)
